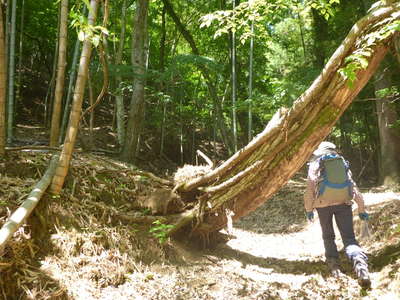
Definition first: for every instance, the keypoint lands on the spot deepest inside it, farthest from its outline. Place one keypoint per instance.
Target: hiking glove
(310, 215)
(363, 216)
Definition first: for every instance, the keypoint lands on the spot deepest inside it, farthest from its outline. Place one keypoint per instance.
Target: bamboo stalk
(26, 208)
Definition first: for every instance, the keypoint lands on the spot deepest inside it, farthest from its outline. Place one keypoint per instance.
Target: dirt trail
(262, 264)
(291, 265)
(76, 247)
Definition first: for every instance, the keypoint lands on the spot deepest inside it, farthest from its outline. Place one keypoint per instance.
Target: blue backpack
(335, 182)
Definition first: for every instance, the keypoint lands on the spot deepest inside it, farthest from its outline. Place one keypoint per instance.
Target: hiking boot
(364, 280)
(333, 265)
(361, 269)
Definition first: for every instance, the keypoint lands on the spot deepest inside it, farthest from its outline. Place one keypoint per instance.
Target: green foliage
(146, 211)
(288, 65)
(240, 18)
(388, 92)
(181, 61)
(325, 7)
(86, 31)
(283, 59)
(160, 231)
(355, 62)
(360, 58)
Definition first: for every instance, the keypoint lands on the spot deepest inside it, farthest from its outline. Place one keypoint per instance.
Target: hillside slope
(83, 245)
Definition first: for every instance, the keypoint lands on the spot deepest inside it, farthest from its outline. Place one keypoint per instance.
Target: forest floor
(77, 246)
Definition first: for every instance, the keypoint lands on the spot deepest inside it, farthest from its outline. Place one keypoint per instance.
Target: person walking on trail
(330, 190)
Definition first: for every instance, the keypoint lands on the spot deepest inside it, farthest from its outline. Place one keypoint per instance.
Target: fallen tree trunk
(26, 208)
(260, 169)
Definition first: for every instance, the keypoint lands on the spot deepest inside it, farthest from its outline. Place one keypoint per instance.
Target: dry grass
(81, 244)
(75, 246)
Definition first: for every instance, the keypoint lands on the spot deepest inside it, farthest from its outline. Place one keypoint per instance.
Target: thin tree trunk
(7, 29)
(303, 44)
(162, 69)
(62, 62)
(234, 83)
(91, 116)
(68, 98)
(146, 59)
(11, 73)
(136, 110)
(119, 99)
(72, 74)
(250, 113)
(3, 81)
(193, 146)
(180, 128)
(320, 31)
(257, 171)
(164, 120)
(76, 109)
(214, 134)
(50, 88)
(102, 51)
(389, 136)
(21, 34)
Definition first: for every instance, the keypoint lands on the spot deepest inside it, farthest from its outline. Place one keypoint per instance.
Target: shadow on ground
(282, 213)
(279, 265)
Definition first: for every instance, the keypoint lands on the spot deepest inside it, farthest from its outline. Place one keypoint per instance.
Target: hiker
(330, 190)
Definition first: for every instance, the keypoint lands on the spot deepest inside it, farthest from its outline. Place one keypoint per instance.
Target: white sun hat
(324, 147)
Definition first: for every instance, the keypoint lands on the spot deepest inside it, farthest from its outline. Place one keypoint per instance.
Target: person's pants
(344, 221)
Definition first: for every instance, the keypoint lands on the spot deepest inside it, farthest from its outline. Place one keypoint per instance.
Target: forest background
(190, 76)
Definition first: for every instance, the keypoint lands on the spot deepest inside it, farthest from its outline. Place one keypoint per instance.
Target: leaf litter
(77, 245)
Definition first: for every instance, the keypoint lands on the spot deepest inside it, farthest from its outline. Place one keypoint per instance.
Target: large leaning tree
(256, 172)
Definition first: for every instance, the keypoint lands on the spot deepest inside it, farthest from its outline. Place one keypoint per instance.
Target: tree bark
(162, 70)
(250, 86)
(20, 52)
(76, 109)
(72, 74)
(136, 110)
(234, 84)
(119, 98)
(62, 62)
(320, 35)
(102, 50)
(389, 171)
(260, 169)
(51, 86)
(2, 86)
(11, 73)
